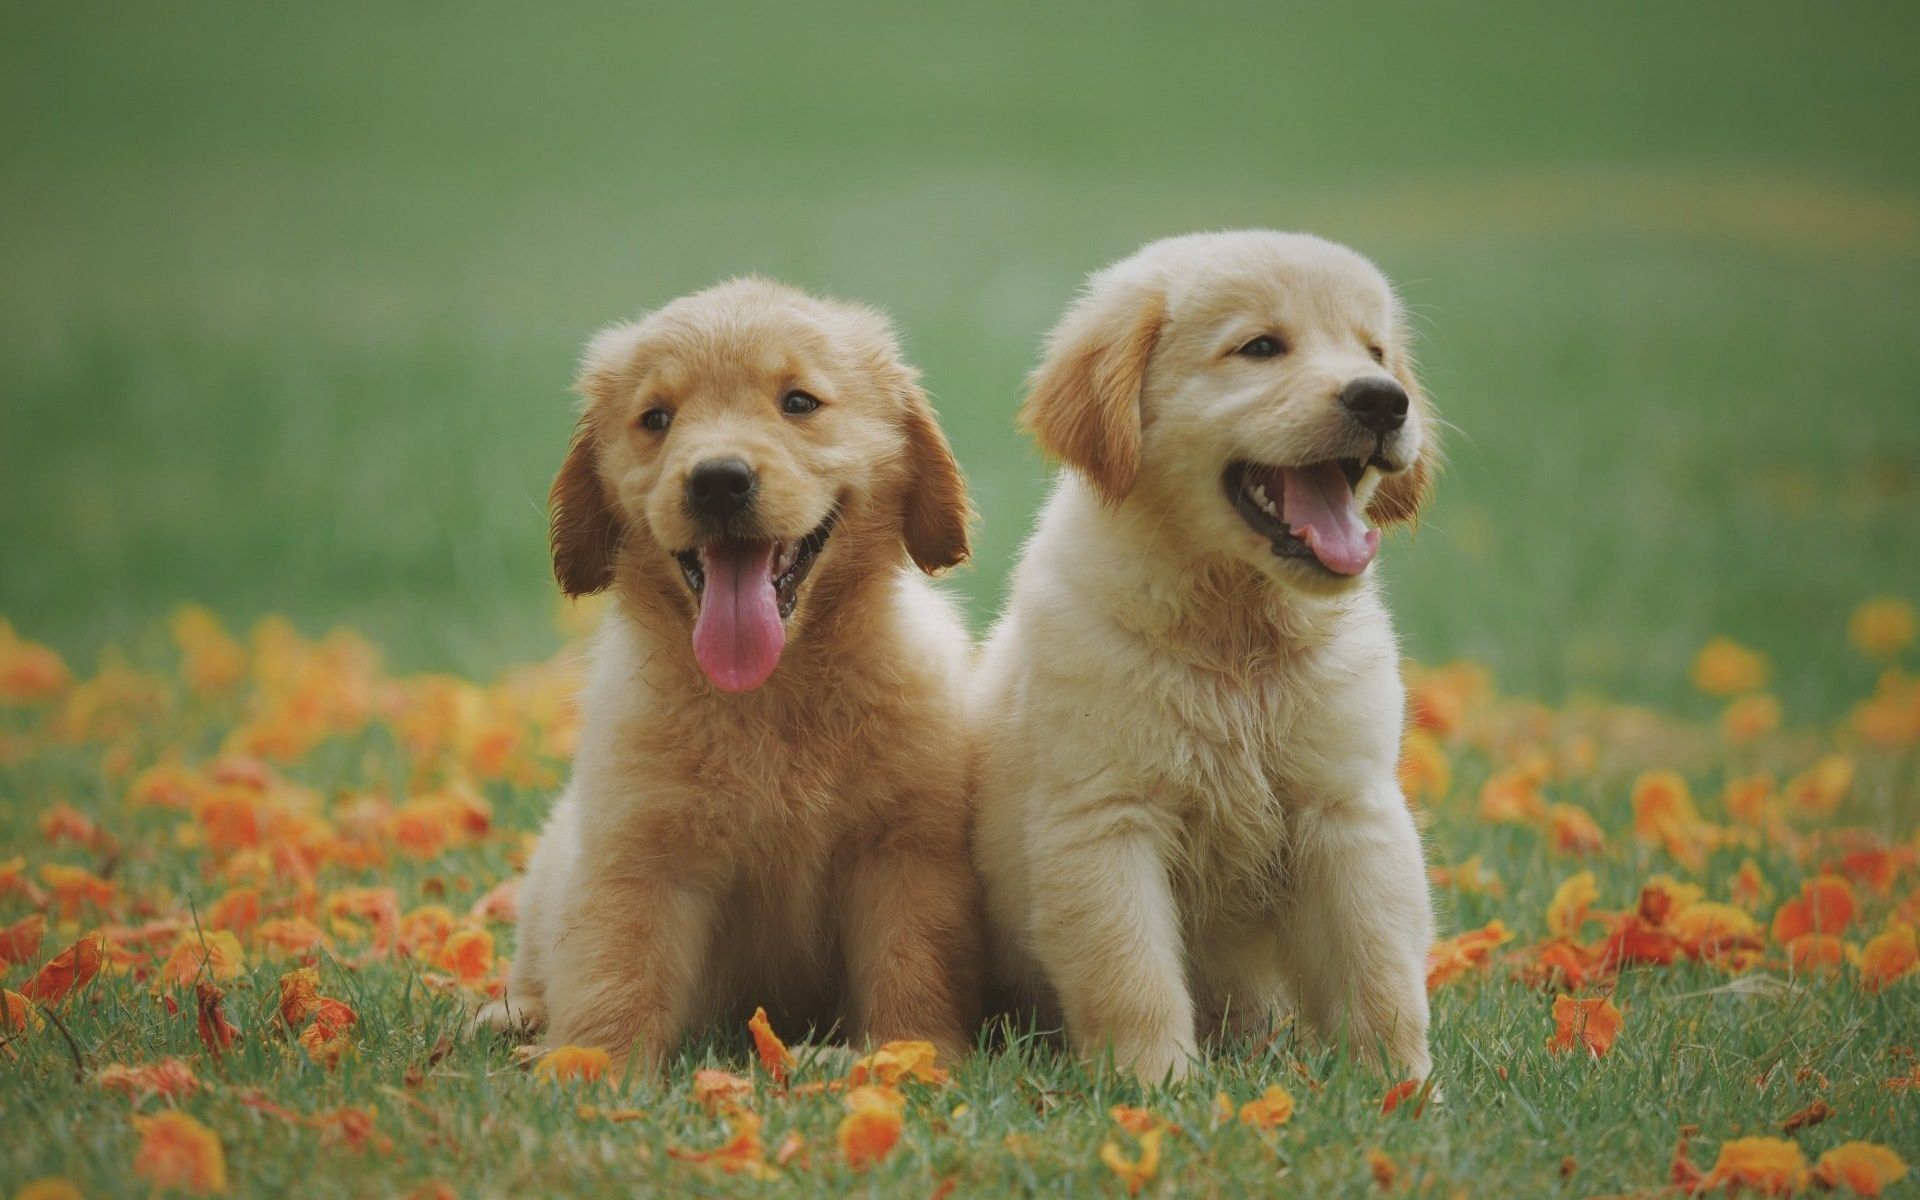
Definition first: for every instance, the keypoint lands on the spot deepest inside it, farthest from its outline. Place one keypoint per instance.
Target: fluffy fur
(1188, 809)
(802, 845)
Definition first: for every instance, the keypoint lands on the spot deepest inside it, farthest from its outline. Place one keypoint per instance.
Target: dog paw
(1156, 1064)
(510, 1016)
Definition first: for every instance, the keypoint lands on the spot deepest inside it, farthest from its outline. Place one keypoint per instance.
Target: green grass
(291, 302)
(291, 305)
(1733, 1055)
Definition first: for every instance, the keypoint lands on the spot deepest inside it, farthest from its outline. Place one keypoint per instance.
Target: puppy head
(1255, 389)
(744, 453)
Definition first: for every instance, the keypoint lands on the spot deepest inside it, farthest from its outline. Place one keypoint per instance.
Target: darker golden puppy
(768, 803)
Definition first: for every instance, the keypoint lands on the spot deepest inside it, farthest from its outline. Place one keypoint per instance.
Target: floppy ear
(936, 513)
(1399, 498)
(584, 526)
(1083, 406)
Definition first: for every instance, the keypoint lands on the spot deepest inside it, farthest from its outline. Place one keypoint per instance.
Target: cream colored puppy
(1190, 713)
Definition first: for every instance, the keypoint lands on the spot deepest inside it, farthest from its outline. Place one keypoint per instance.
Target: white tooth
(1259, 494)
(1271, 509)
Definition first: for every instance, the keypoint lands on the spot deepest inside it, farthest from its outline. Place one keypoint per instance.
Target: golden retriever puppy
(1189, 715)
(768, 805)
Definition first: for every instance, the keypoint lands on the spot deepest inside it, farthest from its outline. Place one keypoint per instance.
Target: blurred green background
(292, 295)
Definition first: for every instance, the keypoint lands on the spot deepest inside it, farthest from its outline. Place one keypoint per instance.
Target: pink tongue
(1317, 504)
(738, 638)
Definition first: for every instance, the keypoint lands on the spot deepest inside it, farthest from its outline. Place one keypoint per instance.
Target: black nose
(1379, 404)
(720, 487)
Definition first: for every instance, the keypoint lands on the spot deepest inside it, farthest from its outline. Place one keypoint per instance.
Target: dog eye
(1379, 355)
(1264, 346)
(797, 403)
(656, 419)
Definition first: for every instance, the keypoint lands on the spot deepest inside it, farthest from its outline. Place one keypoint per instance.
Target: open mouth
(789, 562)
(747, 589)
(1308, 512)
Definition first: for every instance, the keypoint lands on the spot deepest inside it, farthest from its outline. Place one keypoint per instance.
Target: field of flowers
(252, 886)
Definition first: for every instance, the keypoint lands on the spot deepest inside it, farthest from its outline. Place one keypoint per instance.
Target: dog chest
(1241, 765)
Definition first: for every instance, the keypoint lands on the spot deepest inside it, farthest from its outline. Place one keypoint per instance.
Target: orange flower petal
(1768, 1165)
(1273, 1109)
(1632, 940)
(238, 910)
(1725, 668)
(1567, 911)
(1135, 1173)
(1818, 791)
(1663, 814)
(773, 1052)
(1750, 888)
(1592, 1023)
(1816, 952)
(29, 672)
(177, 1151)
(170, 1079)
(1824, 905)
(1573, 830)
(207, 954)
(20, 941)
(1888, 956)
(1398, 1094)
(468, 954)
(210, 1018)
(1707, 928)
(1663, 896)
(742, 1153)
(1813, 1114)
(1382, 1168)
(1452, 957)
(716, 1090)
(67, 971)
(351, 1127)
(1861, 1167)
(293, 936)
(76, 889)
(871, 1128)
(1749, 718)
(1512, 795)
(579, 1064)
(299, 995)
(1882, 627)
(17, 1014)
(896, 1061)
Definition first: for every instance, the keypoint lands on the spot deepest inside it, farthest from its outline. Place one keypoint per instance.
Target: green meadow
(292, 300)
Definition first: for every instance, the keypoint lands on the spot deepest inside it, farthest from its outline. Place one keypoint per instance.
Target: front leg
(1359, 926)
(542, 902)
(624, 971)
(1106, 931)
(911, 926)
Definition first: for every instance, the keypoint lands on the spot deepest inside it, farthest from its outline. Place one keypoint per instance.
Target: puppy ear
(1083, 406)
(1399, 498)
(937, 514)
(584, 526)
